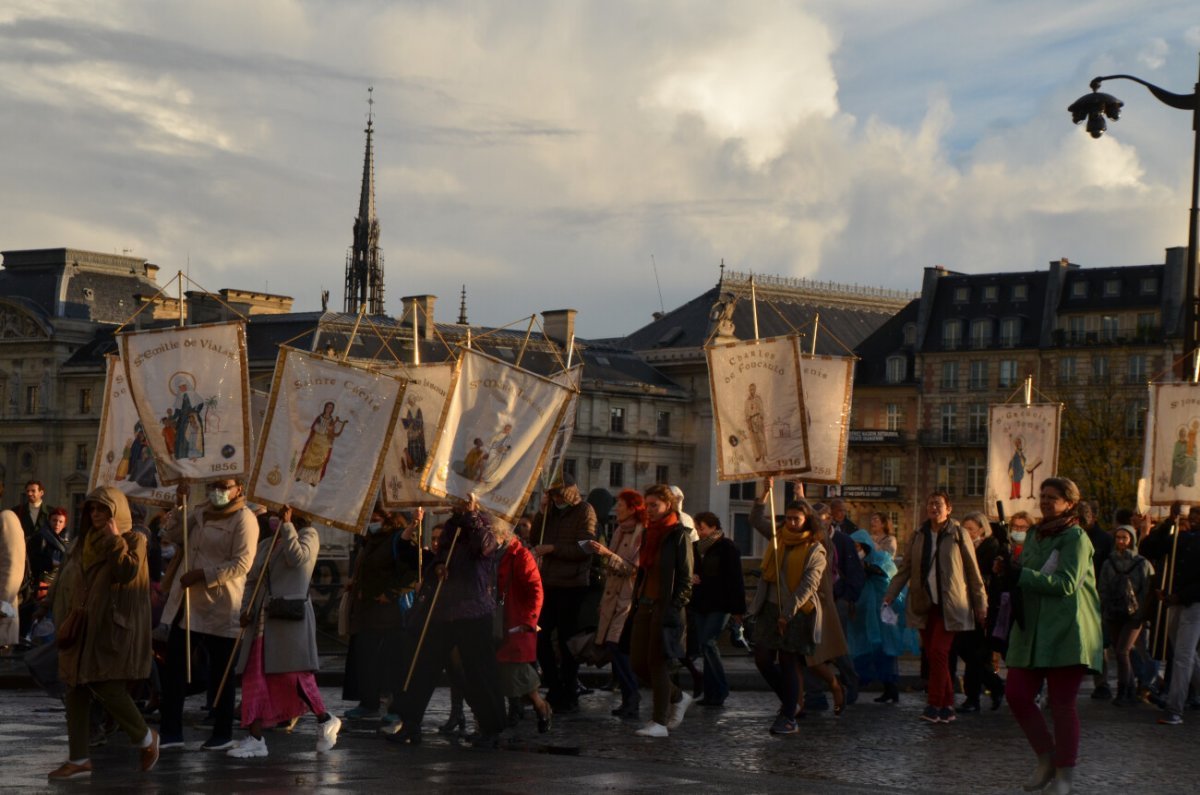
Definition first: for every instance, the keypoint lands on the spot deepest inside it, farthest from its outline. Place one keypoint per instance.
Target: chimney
(423, 306)
(559, 325)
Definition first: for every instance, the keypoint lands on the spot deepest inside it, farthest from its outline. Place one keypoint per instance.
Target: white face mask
(218, 498)
(374, 527)
(1018, 537)
(862, 555)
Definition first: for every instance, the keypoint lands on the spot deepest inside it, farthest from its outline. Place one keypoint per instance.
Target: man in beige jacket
(222, 538)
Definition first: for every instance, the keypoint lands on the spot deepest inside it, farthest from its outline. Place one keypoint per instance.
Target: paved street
(872, 748)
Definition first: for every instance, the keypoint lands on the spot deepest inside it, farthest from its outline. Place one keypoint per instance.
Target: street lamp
(1094, 107)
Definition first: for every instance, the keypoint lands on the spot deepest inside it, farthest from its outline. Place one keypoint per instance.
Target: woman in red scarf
(662, 590)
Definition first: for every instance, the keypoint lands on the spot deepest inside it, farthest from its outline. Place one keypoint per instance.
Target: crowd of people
(506, 612)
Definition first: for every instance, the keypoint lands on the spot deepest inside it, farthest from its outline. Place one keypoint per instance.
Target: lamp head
(1094, 107)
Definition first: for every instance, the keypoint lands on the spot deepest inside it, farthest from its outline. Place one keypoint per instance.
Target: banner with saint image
(424, 402)
(758, 408)
(828, 389)
(323, 441)
(495, 435)
(1172, 444)
(123, 457)
(1022, 452)
(571, 379)
(192, 393)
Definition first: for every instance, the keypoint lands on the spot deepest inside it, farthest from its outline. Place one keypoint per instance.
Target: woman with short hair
(718, 592)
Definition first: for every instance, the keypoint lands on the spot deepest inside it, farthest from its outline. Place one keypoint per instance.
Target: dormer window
(1112, 288)
(1020, 292)
(962, 295)
(991, 293)
(1079, 289)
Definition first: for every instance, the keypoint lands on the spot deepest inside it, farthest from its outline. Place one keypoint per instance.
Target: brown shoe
(150, 753)
(70, 770)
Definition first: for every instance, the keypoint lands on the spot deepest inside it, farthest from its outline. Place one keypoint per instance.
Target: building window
(1099, 369)
(991, 293)
(1076, 329)
(1066, 370)
(743, 491)
(616, 420)
(1149, 285)
(1108, 328)
(1136, 372)
(897, 369)
(27, 460)
(1008, 372)
(32, 399)
(1020, 292)
(962, 295)
(1147, 322)
(85, 401)
(976, 476)
(616, 474)
(910, 333)
(662, 426)
(889, 471)
(979, 375)
(893, 416)
(81, 457)
(947, 473)
(952, 335)
(949, 422)
(662, 474)
(949, 376)
(569, 467)
(1135, 418)
(977, 423)
(981, 333)
(1112, 287)
(1079, 289)
(1010, 332)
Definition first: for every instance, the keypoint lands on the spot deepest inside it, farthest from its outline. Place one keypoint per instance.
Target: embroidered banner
(828, 388)
(1022, 452)
(123, 457)
(1172, 444)
(324, 438)
(424, 403)
(495, 435)
(566, 429)
(758, 408)
(192, 393)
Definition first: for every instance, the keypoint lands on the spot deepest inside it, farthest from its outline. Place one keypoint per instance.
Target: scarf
(705, 544)
(92, 554)
(796, 548)
(1052, 527)
(930, 577)
(211, 513)
(652, 541)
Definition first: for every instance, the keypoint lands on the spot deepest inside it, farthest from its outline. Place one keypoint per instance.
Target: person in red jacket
(519, 590)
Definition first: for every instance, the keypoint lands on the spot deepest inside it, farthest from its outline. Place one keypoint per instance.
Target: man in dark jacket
(1183, 605)
(1102, 545)
(564, 520)
(34, 514)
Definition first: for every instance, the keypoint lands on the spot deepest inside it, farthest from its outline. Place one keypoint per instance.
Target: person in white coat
(12, 573)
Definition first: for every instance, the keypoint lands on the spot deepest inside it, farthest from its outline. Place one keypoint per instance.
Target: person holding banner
(945, 595)
(221, 539)
(661, 594)
(101, 603)
(1059, 640)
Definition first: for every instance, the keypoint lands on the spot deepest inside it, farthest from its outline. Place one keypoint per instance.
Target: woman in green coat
(1056, 638)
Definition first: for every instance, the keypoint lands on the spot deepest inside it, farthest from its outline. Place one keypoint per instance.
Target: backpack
(1122, 601)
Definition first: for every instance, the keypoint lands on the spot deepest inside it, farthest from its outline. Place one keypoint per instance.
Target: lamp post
(1094, 107)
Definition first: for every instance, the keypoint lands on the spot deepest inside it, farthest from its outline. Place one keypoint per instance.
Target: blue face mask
(1018, 537)
(374, 527)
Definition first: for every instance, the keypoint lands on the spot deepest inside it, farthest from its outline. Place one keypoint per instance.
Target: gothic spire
(462, 307)
(364, 265)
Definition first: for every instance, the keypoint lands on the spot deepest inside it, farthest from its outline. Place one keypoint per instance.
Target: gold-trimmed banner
(1022, 451)
(425, 401)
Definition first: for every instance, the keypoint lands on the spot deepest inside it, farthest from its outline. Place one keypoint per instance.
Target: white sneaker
(652, 729)
(327, 733)
(248, 748)
(678, 710)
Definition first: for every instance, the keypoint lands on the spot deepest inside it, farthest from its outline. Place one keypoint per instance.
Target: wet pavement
(872, 748)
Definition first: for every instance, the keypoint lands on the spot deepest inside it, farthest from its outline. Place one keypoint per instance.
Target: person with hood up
(877, 643)
(101, 606)
(1126, 581)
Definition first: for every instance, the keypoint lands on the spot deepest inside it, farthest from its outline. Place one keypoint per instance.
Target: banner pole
(816, 325)
(754, 305)
(412, 666)
(416, 357)
(775, 546)
(1028, 390)
(350, 342)
(187, 591)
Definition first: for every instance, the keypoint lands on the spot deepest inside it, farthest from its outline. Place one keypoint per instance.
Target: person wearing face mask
(221, 541)
(1126, 582)
(384, 570)
(877, 643)
(1018, 527)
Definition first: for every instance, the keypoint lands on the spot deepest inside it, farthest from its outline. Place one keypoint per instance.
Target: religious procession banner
(1022, 452)
(571, 379)
(123, 457)
(326, 431)
(424, 403)
(495, 435)
(1173, 444)
(192, 393)
(259, 400)
(828, 388)
(758, 407)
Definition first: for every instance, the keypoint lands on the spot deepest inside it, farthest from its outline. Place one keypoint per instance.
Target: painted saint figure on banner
(415, 451)
(756, 423)
(140, 467)
(318, 448)
(472, 466)
(497, 451)
(1183, 457)
(187, 419)
(1016, 468)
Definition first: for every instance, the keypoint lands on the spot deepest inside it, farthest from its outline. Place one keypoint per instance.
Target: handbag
(286, 608)
(70, 632)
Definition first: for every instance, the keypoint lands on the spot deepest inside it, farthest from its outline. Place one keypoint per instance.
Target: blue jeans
(622, 669)
(708, 627)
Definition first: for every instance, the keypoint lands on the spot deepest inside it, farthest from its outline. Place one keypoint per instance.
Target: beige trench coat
(12, 572)
(620, 571)
(963, 592)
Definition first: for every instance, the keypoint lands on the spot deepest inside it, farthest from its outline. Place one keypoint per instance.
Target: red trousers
(936, 642)
(1063, 687)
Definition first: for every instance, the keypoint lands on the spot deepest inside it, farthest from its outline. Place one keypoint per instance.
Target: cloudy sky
(555, 154)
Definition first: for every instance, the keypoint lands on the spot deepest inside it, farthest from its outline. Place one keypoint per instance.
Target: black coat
(722, 588)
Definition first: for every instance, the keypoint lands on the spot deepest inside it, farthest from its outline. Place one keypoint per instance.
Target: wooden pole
(187, 591)
(1168, 582)
(412, 666)
(770, 495)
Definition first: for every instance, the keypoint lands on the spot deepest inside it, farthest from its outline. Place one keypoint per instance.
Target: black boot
(457, 722)
(516, 711)
(890, 693)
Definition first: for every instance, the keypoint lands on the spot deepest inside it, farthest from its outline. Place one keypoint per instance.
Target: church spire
(462, 307)
(364, 265)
